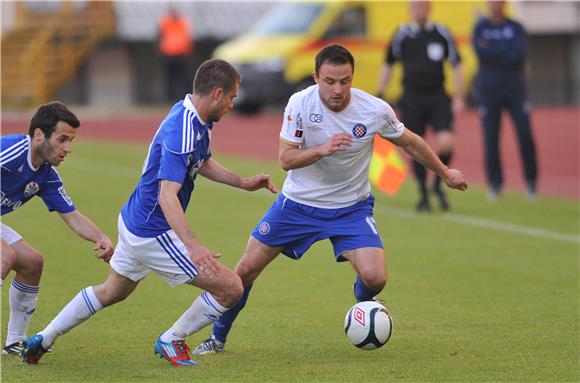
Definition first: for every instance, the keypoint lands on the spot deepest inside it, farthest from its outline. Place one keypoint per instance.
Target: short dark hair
(215, 73)
(334, 54)
(48, 115)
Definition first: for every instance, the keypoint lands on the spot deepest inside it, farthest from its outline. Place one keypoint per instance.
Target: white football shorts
(9, 235)
(165, 255)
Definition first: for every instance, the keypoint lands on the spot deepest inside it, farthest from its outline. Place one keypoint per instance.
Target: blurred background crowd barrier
(106, 53)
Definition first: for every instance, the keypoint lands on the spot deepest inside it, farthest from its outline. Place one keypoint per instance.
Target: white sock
(204, 310)
(84, 305)
(22, 298)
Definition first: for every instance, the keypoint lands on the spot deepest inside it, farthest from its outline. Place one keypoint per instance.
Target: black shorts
(419, 109)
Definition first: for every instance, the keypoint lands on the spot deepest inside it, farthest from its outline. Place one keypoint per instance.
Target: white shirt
(341, 179)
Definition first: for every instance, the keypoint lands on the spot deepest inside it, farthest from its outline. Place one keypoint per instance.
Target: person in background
(176, 46)
(500, 45)
(422, 46)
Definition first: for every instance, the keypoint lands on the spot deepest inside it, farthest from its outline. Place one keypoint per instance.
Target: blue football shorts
(295, 227)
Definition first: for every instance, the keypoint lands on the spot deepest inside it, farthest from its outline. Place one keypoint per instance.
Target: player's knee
(375, 280)
(246, 273)
(32, 266)
(233, 291)
(445, 142)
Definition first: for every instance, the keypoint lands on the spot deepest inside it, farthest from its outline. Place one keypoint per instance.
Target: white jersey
(341, 179)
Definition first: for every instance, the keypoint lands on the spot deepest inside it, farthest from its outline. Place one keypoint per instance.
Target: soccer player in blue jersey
(326, 144)
(28, 169)
(153, 232)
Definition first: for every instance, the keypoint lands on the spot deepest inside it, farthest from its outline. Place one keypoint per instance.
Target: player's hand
(108, 248)
(205, 261)
(259, 181)
(455, 180)
(338, 143)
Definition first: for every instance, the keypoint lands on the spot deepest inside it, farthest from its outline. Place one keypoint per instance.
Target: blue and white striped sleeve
(54, 195)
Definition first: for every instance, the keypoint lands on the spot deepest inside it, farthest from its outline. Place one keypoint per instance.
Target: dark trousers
(422, 108)
(491, 104)
(177, 82)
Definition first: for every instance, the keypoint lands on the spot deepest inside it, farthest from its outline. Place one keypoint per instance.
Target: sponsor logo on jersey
(264, 228)
(192, 173)
(5, 201)
(31, 189)
(359, 130)
(508, 32)
(289, 118)
(316, 117)
(498, 34)
(65, 196)
(314, 128)
(390, 120)
(299, 126)
(299, 122)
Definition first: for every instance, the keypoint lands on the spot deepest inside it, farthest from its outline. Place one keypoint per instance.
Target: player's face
(54, 149)
(496, 8)
(420, 11)
(334, 83)
(224, 103)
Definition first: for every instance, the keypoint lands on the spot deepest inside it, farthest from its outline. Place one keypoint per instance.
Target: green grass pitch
(487, 293)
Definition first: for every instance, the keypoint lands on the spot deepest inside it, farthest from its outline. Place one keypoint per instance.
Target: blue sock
(222, 327)
(362, 292)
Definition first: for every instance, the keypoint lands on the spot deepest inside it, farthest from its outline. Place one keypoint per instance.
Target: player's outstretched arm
(201, 256)
(422, 153)
(290, 156)
(214, 171)
(86, 229)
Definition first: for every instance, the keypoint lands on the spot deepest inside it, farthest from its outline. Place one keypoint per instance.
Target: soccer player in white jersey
(154, 235)
(326, 145)
(28, 169)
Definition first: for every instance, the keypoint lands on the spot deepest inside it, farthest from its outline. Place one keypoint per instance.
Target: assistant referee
(422, 47)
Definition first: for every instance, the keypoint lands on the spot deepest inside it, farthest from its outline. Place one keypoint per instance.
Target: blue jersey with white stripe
(177, 151)
(21, 181)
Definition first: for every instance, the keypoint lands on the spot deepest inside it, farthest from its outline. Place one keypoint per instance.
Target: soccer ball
(368, 325)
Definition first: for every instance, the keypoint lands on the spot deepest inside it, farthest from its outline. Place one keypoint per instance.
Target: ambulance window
(287, 18)
(350, 23)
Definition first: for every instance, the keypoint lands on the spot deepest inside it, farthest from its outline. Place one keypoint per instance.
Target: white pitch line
(124, 172)
(485, 223)
(512, 228)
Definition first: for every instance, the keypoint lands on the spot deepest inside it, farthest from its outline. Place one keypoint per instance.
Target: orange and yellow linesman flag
(387, 171)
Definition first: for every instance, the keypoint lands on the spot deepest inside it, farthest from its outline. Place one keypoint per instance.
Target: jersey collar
(29, 155)
(415, 28)
(189, 106)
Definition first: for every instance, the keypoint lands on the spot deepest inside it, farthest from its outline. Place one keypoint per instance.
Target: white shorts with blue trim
(9, 235)
(165, 255)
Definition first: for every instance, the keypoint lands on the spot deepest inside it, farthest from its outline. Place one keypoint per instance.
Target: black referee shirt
(422, 52)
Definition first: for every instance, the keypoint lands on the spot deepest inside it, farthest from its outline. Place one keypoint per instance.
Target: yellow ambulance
(276, 56)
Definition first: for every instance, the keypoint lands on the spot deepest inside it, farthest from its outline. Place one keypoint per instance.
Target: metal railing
(46, 47)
